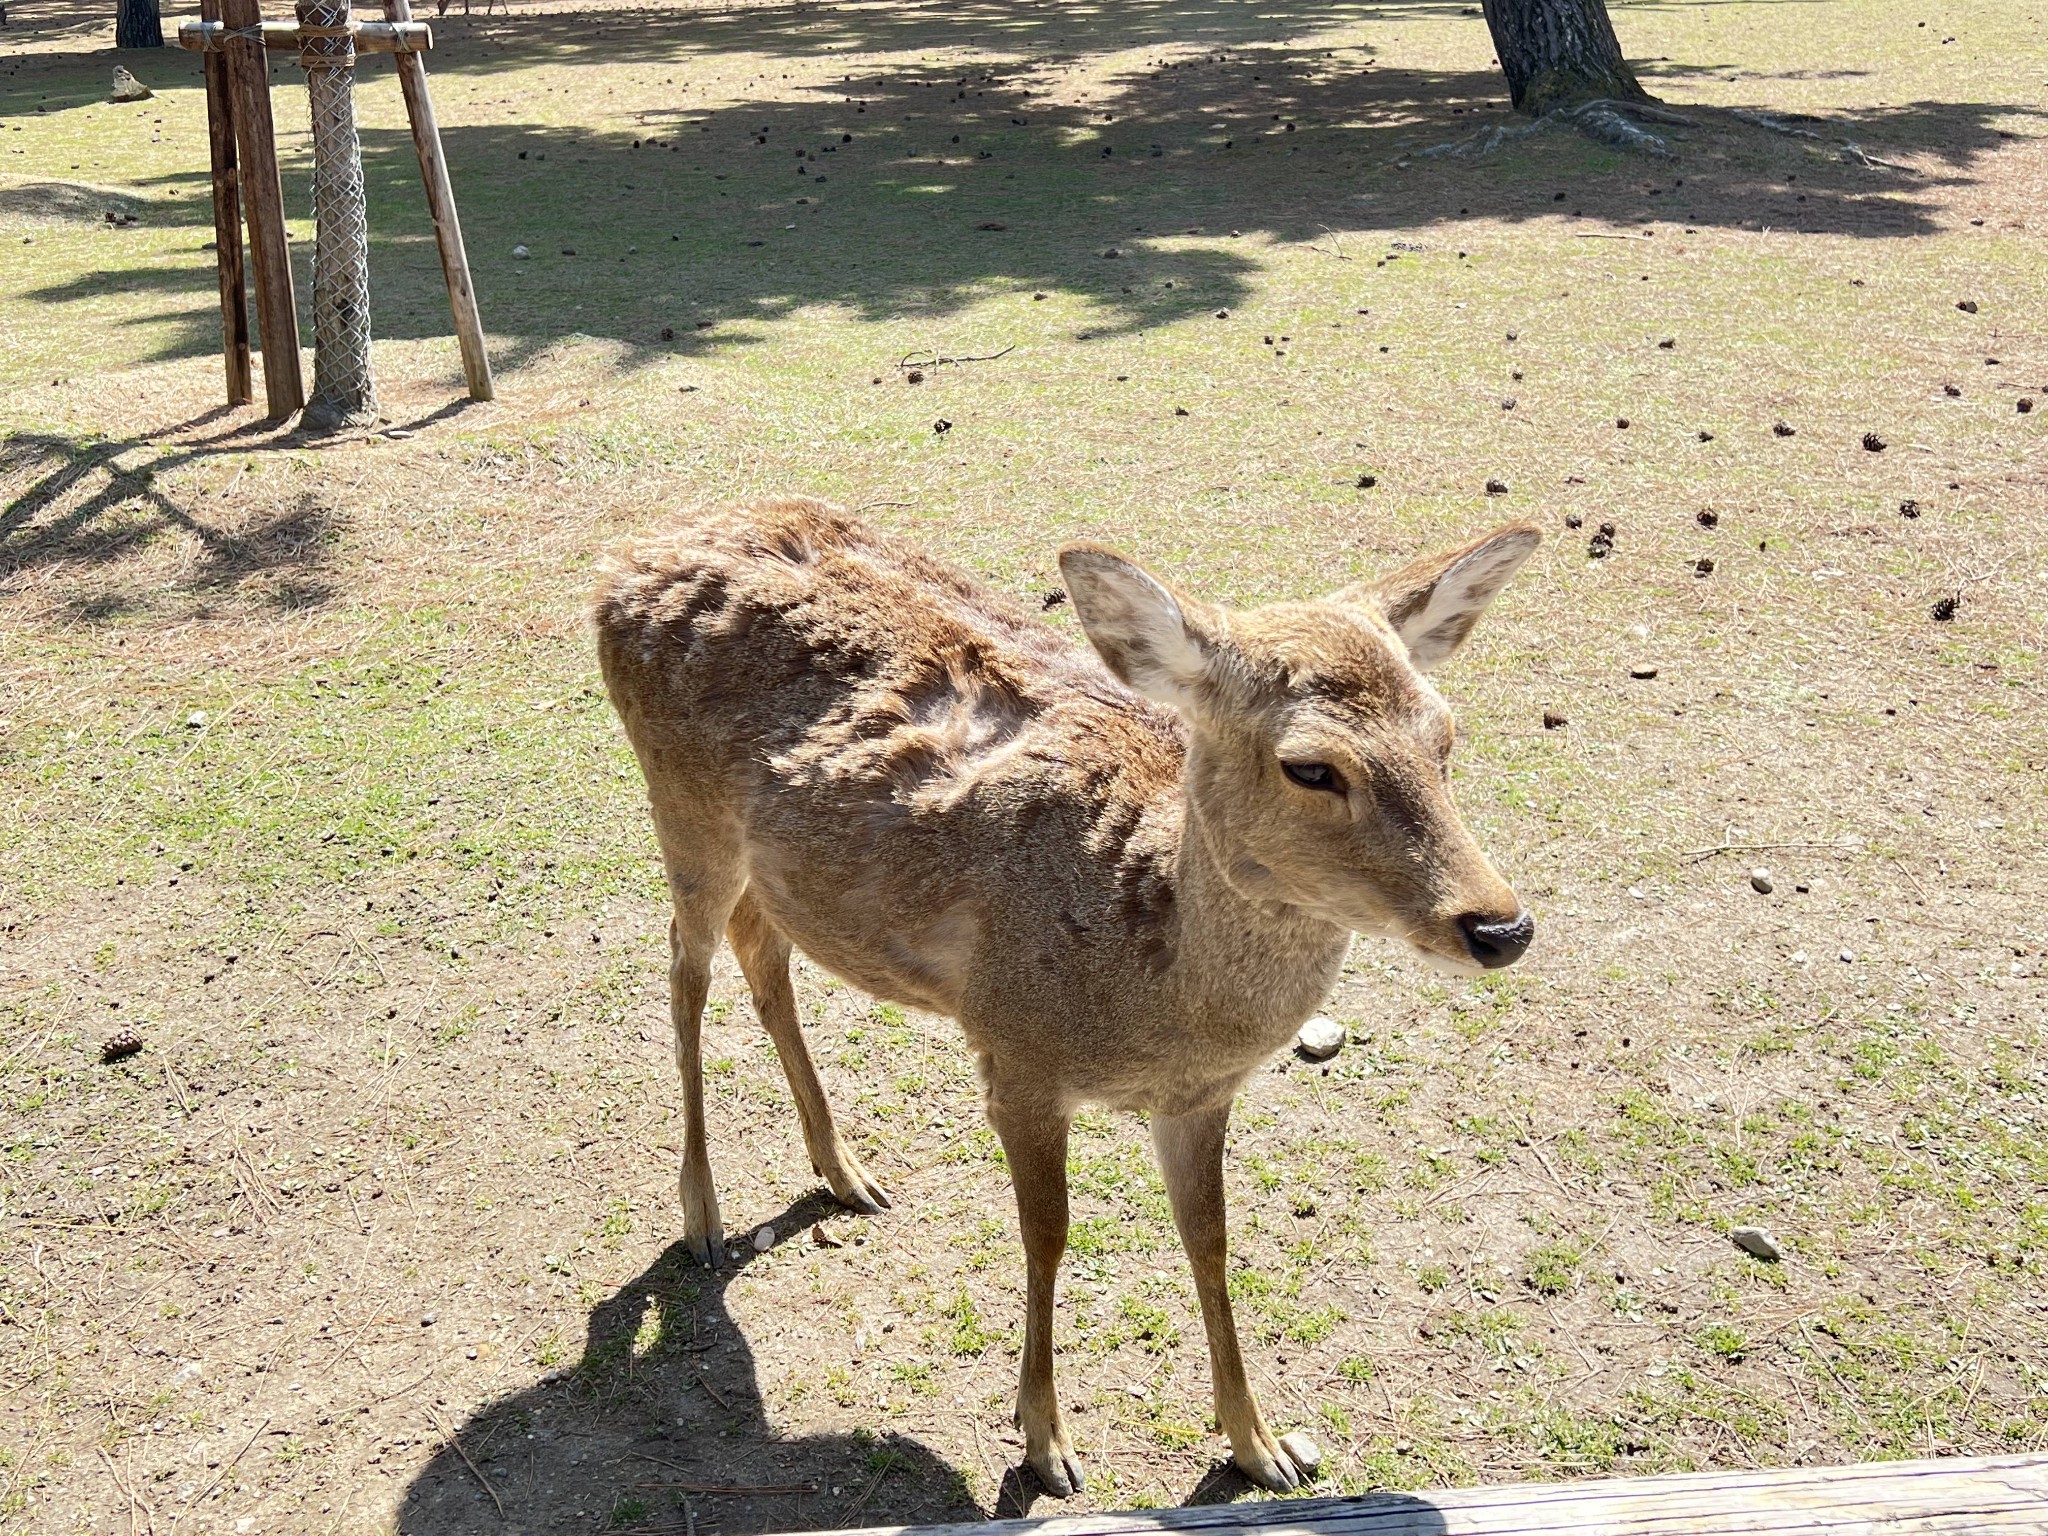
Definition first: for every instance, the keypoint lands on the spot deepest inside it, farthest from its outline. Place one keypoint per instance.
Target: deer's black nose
(1495, 944)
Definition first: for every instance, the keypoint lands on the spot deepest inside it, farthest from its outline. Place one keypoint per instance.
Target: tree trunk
(138, 24)
(1556, 53)
(343, 393)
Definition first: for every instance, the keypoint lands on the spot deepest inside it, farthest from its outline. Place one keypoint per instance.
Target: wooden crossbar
(1956, 1496)
(284, 37)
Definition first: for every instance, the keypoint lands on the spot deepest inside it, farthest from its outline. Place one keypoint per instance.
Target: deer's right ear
(1144, 633)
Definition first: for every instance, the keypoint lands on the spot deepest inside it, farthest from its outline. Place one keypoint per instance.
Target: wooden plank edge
(2015, 1486)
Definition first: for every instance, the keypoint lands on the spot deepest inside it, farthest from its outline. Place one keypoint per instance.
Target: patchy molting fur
(853, 749)
(942, 800)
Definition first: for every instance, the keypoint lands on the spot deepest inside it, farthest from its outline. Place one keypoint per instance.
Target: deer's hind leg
(706, 867)
(764, 956)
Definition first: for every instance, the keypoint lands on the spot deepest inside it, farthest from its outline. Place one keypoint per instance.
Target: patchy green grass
(308, 780)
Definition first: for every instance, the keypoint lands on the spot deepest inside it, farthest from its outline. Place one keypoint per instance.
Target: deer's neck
(1254, 968)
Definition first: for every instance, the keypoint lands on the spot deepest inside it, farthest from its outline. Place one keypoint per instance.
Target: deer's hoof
(1278, 1465)
(1059, 1471)
(857, 1189)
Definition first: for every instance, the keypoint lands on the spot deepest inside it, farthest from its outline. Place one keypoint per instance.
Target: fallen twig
(417, 1381)
(868, 1492)
(912, 360)
(1863, 157)
(207, 1492)
(179, 1089)
(1543, 1162)
(732, 1487)
(994, 1477)
(1854, 1404)
(456, 1440)
(1708, 853)
(134, 1503)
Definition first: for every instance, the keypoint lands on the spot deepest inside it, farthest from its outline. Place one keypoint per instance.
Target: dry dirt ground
(306, 780)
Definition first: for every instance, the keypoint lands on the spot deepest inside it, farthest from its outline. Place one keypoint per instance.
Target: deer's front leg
(1190, 1149)
(1034, 1137)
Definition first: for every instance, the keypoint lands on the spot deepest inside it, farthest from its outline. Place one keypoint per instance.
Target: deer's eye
(1315, 776)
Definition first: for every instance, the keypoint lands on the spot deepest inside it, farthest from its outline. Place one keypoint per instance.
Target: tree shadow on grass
(913, 191)
(71, 502)
(661, 1427)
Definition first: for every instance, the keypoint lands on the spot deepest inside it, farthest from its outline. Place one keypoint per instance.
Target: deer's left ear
(1433, 602)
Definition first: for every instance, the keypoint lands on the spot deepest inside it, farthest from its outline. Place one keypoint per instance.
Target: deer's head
(1319, 753)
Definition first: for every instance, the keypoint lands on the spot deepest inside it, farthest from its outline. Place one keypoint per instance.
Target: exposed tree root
(1846, 149)
(1774, 124)
(1604, 120)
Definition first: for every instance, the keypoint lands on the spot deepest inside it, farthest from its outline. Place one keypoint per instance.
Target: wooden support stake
(227, 221)
(426, 141)
(277, 314)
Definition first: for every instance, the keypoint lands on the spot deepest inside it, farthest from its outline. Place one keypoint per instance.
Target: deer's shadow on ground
(656, 1424)
(660, 1429)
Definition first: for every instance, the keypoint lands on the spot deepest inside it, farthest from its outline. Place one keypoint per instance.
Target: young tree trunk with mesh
(1557, 53)
(137, 24)
(343, 394)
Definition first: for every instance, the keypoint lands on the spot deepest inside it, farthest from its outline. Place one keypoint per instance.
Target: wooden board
(1997, 1495)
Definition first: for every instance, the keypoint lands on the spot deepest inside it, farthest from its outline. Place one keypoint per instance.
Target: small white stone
(520, 253)
(1321, 1038)
(764, 1239)
(196, 719)
(1758, 1241)
(1306, 1453)
(1760, 881)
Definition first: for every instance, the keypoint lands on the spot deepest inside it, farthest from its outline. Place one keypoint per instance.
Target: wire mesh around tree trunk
(343, 393)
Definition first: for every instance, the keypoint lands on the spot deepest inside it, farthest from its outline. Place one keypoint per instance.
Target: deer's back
(926, 776)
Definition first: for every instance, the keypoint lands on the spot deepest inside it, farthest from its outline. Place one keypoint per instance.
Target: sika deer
(1130, 879)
